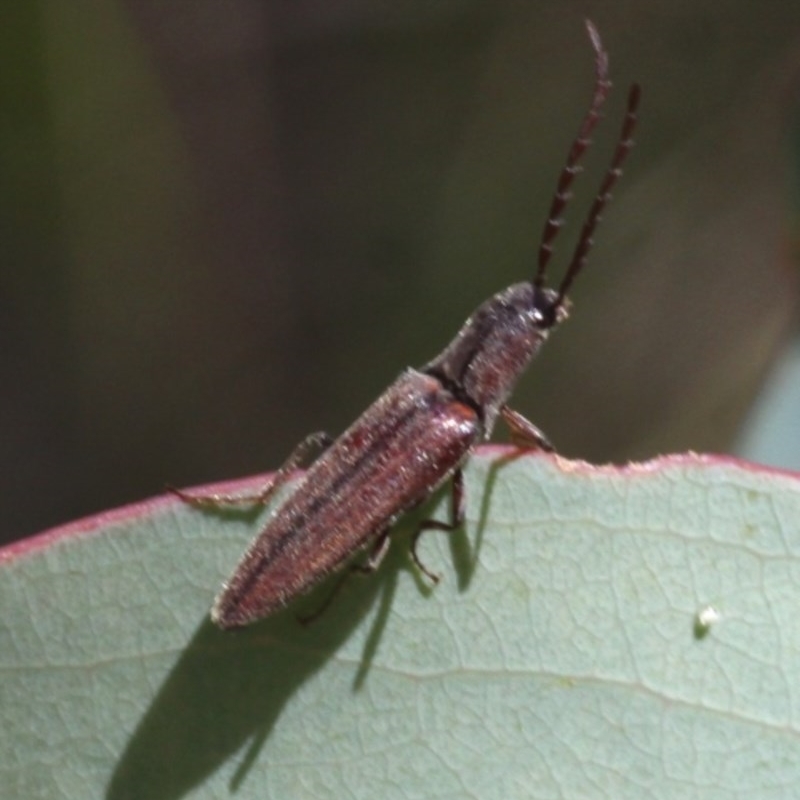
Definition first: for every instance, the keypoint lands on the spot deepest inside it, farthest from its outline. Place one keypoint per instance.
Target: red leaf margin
(86, 526)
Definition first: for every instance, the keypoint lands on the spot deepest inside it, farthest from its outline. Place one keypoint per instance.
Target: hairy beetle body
(420, 431)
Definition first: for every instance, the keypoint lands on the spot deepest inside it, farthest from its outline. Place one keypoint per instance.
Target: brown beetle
(422, 429)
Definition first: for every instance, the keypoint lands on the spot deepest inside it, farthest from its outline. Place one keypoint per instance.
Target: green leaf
(598, 633)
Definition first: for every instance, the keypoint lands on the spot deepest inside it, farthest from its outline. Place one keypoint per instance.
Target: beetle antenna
(581, 143)
(624, 145)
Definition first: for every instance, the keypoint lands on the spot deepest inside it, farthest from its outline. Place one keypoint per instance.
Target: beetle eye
(545, 311)
(540, 317)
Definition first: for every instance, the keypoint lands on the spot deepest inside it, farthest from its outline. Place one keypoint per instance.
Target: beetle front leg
(319, 439)
(457, 513)
(524, 433)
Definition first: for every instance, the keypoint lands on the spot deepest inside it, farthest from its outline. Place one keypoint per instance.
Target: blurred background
(226, 224)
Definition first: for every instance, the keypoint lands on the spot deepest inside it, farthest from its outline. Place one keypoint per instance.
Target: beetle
(422, 429)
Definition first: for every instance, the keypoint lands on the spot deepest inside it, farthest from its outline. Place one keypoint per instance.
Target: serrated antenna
(624, 145)
(580, 144)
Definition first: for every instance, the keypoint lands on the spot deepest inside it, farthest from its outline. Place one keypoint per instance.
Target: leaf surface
(598, 632)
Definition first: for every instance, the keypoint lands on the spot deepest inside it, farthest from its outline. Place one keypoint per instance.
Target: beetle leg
(457, 512)
(524, 433)
(382, 542)
(320, 440)
(376, 555)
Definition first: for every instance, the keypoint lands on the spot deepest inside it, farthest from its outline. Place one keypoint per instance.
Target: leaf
(569, 651)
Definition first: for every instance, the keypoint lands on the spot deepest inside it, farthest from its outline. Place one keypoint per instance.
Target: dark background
(226, 224)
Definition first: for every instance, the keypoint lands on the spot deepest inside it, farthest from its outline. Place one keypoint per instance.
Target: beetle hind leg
(318, 440)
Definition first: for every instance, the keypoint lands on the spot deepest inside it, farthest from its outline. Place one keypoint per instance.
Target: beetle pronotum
(421, 430)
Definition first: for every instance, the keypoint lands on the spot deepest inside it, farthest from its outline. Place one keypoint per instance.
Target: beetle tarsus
(524, 434)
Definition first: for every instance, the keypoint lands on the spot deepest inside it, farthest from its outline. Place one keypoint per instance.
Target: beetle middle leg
(457, 513)
(374, 559)
(383, 541)
(318, 440)
(524, 433)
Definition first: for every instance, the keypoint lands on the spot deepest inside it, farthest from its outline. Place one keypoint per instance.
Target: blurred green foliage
(225, 225)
